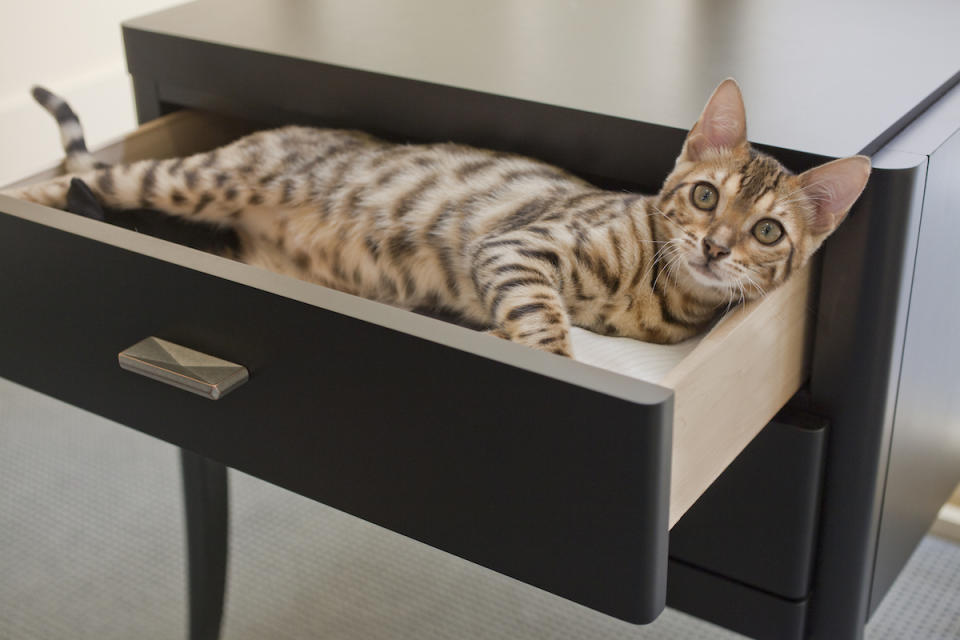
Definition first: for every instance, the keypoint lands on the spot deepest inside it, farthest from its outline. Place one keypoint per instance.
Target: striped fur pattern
(71, 133)
(504, 241)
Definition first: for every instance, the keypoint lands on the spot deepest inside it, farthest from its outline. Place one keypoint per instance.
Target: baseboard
(947, 524)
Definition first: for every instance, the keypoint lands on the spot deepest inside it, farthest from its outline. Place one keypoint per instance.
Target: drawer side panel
(924, 463)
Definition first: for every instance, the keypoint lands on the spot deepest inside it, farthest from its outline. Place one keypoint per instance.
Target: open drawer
(556, 472)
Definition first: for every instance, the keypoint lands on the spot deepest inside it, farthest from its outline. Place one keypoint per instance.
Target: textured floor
(91, 547)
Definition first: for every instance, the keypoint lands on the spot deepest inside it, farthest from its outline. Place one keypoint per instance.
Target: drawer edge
(397, 319)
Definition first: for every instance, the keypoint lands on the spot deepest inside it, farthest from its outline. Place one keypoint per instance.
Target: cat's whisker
(656, 257)
(671, 258)
(656, 209)
(747, 269)
(672, 268)
(661, 213)
(729, 302)
(730, 291)
(756, 286)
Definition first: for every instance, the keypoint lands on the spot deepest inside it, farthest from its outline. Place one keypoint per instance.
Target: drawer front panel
(557, 485)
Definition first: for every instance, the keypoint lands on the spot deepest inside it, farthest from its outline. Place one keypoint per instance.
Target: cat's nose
(712, 250)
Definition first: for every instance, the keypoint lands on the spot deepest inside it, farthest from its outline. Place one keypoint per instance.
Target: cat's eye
(704, 196)
(767, 231)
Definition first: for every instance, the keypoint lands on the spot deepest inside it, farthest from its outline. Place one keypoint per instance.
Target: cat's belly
(373, 264)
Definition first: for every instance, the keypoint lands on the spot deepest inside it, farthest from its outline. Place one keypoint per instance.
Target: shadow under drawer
(757, 523)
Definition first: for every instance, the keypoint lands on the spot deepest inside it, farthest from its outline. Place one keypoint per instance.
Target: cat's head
(734, 219)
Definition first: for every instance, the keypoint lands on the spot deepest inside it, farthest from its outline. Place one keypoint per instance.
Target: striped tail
(71, 133)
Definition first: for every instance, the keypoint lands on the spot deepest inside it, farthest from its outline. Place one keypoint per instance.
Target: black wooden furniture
(564, 480)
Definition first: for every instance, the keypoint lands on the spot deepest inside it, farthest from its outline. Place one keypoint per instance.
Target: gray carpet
(91, 547)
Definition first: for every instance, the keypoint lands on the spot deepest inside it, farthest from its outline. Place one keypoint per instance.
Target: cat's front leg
(520, 288)
(538, 321)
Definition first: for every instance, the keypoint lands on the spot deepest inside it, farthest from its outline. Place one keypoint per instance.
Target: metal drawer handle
(183, 368)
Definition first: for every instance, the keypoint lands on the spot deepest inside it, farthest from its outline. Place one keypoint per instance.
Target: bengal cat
(505, 241)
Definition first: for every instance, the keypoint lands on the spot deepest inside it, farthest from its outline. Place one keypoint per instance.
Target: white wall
(74, 49)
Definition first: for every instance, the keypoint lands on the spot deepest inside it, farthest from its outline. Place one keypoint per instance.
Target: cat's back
(348, 178)
(392, 221)
(356, 156)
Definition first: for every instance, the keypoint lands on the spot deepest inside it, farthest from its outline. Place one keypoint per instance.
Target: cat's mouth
(706, 274)
(703, 269)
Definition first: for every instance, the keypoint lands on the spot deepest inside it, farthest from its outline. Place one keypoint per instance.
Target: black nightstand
(804, 532)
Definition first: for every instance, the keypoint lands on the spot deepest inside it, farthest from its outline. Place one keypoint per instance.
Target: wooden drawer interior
(727, 385)
(733, 383)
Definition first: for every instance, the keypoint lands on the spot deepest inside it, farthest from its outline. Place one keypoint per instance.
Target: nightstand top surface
(832, 78)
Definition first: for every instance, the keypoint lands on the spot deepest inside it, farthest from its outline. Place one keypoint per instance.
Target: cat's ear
(833, 188)
(722, 125)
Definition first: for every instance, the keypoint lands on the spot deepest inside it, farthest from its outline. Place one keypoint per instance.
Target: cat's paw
(559, 344)
(559, 348)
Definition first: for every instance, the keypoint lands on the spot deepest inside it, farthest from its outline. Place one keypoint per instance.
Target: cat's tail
(71, 133)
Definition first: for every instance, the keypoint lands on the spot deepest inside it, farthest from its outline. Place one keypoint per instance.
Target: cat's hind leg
(52, 193)
(196, 187)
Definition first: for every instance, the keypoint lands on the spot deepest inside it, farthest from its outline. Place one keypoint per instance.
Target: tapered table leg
(205, 502)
